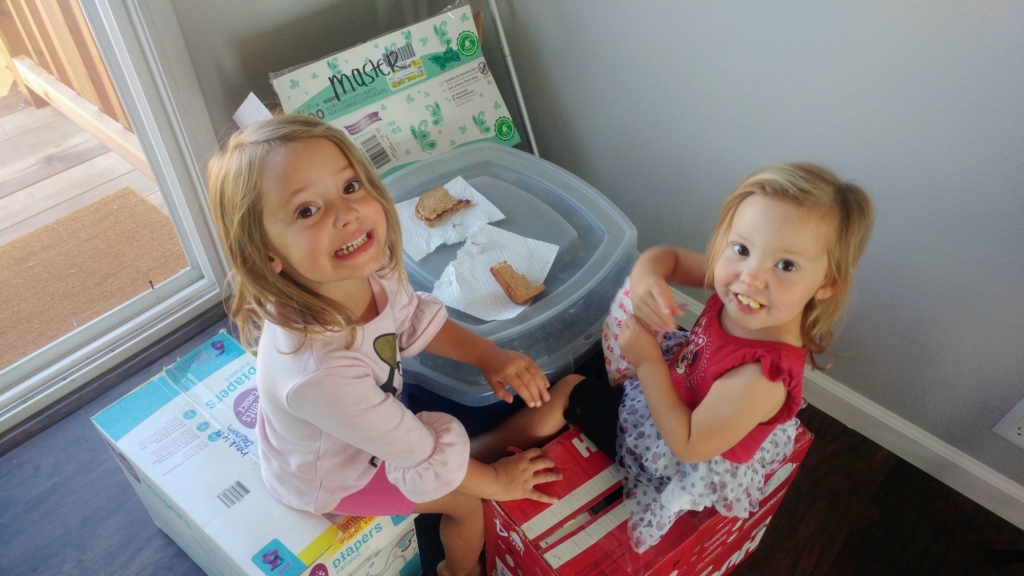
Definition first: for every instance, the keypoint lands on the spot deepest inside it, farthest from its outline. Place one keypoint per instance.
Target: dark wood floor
(854, 508)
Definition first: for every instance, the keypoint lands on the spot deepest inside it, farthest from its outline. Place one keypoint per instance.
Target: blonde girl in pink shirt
(315, 249)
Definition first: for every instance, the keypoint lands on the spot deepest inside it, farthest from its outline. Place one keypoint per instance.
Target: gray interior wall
(664, 107)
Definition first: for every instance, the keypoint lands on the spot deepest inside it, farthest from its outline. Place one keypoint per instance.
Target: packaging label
(275, 559)
(502, 571)
(220, 377)
(406, 95)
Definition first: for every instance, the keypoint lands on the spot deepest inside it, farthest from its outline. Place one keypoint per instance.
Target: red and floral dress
(659, 486)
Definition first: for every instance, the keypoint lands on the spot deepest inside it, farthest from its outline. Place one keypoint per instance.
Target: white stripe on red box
(572, 502)
(587, 537)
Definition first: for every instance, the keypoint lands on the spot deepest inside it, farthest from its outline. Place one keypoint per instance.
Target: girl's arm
(649, 283)
(738, 401)
(499, 366)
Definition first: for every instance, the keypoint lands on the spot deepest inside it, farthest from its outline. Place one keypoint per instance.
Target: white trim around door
(145, 54)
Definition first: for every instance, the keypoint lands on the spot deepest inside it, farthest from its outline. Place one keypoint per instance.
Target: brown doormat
(59, 277)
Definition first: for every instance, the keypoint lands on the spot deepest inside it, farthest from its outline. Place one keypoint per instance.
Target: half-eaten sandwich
(437, 204)
(516, 286)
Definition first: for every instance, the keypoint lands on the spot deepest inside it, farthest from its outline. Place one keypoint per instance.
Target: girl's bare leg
(462, 532)
(527, 428)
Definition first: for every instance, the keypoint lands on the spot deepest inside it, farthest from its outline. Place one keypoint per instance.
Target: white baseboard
(996, 492)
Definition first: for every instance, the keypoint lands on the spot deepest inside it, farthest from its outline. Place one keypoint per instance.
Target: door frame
(149, 65)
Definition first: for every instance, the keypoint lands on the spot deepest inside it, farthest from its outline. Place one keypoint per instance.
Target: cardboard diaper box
(407, 95)
(582, 534)
(371, 546)
(187, 444)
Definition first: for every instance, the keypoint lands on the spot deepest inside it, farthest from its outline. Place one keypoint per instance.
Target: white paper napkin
(467, 284)
(418, 239)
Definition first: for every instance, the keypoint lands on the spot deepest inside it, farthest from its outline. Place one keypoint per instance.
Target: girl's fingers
(533, 454)
(527, 396)
(641, 308)
(529, 379)
(539, 496)
(641, 324)
(665, 302)
(653, 312)
(499, 390)
(662, 318)
(545, 477)
(526, 392)
(667, 308)
(536, 384)
(643, 305)
(541, 462)
(635, 322)
(546, 473)
(539, 375)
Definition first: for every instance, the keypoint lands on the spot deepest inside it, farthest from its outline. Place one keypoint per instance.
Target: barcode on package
(399, 54)
(233, 495)
(375, 151)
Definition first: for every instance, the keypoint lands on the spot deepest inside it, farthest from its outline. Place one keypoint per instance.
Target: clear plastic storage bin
(597, 248)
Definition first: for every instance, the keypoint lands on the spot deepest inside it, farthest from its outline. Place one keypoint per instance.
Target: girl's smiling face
(775, 261)
(322, 226)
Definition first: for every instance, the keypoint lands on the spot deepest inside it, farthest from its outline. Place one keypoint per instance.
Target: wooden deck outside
(50, 166)
(65, 139)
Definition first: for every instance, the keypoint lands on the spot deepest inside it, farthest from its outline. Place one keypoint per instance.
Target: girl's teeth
(353, 245)
(748, 301)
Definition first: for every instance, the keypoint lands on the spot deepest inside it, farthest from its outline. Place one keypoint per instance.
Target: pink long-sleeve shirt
(330, 414)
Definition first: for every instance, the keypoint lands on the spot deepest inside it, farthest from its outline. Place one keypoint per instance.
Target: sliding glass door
(149, 252)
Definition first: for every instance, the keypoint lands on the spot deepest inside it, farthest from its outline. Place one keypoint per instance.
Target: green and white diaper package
(407, 95)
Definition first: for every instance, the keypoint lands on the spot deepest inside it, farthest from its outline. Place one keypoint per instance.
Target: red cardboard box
(580, 535)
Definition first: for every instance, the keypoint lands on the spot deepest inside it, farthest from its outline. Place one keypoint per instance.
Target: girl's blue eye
(740, 249)
(307, 212)
(786, 266)
(353, 187)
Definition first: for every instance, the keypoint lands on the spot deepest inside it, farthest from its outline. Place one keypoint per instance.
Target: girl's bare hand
(519, 371)
(517, 476)
(652, 301)
(638, 343)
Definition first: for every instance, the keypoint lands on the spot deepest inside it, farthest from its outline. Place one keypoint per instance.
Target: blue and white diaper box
(187, 444)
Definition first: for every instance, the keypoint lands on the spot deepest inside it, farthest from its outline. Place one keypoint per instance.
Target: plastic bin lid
(597, 248)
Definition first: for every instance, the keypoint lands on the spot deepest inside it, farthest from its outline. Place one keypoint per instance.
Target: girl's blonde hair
(819, 190)
(234, 176)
